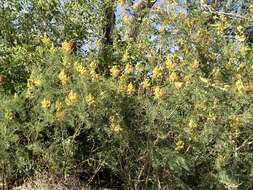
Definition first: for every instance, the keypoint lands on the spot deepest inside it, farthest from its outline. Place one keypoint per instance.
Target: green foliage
(169, 108)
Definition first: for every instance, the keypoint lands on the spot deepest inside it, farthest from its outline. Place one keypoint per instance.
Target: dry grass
(44, 182)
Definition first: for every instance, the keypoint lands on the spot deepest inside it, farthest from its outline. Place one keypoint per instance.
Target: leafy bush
(181, 120)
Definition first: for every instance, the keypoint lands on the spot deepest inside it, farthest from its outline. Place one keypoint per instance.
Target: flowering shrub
(175, 120)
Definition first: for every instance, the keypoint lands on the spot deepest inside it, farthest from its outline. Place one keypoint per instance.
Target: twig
(209, 9)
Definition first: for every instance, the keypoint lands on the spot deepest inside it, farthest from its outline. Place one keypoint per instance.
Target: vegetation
(152, 94)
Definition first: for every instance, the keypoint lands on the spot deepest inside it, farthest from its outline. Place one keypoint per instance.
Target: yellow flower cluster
(67, 47)
(146, 84)
(33, 82)
(157, 72)
(45, 40)
(115, 125)
(191, 124)
(240, 34)
(89, 99)
(173, 77)
(114, 71)
(130, 89)
(60, 115)
(63, 77)
(45, 103)
(79, 68)
(71, 99)
(179, 145)
(158, 93)
(168, 63)
(8, 115)
(128, 69)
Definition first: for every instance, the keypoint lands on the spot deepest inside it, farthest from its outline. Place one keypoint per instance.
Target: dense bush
(154, 117)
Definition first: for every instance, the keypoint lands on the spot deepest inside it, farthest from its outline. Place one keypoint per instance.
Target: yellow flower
(9, 116)
(122, 2)
(211, 117)
(93, 66)
(179, 145)
(67, 46)
(204, 80)
(158, 93)
(192, 124)
(125, 57)
(169, 64)
(130, 89)
(63, 77)
(71, 98)
(173, 77)
(45, 39)
(157, 72)
(251, 9)
(90, 99)
(244, 50)
(115, 125)
(114, 71)
(33, 82)
(240, 37)
(60, 115)
(195, 64)
(145, 84)
(129, 69)
(240, 87)
(46, 103)
(79, 68)
(178, 85)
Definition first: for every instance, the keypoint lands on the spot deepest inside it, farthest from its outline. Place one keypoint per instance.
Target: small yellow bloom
(195, 64)
(122, 2)
(178, 85)
(173, 77)
(46, 103)
(158, 93)
(240, 29)
(129, 69)
(146, 84)
(60, 115)
(192, 124)
(67, 47)
(211, 117)
(79, 68)
(157, 72)
(130, 89)
(240, 37)
(179, 145)
(9, 116)
(251, 9)
(240, 87)
(169, 64)
(114, 71)
(71, 98)
(90, 99)
(63, 77)
(45, 39)
(33, 82)
(115, 125)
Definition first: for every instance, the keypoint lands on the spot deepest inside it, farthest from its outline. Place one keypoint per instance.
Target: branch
(233, 15)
